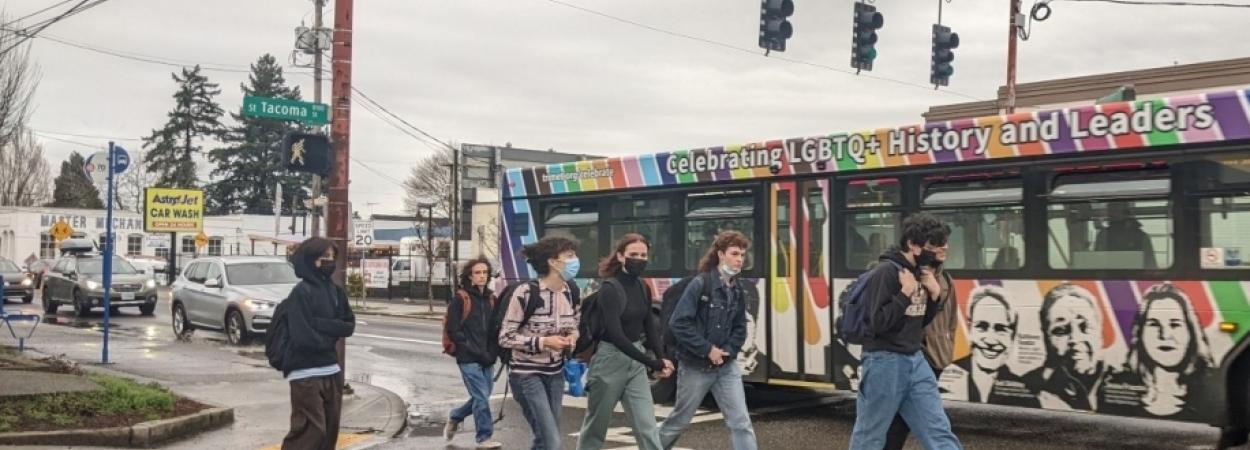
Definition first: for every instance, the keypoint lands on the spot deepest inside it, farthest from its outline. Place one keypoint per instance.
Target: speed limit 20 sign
(362, 233)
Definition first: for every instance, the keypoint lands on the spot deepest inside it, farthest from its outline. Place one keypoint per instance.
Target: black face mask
(927, 258)
(635, 266)
(326, 269)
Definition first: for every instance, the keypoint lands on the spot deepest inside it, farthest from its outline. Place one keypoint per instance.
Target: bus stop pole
(108, 258)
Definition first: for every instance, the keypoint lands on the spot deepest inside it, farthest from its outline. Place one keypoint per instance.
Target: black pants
(316, 404)
(897, 435)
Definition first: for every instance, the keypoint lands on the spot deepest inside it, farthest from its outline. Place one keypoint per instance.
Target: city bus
(1097, 251)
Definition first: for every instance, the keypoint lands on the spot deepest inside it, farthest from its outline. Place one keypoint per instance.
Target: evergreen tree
(250, 162)
(195, 117)
(73, 189)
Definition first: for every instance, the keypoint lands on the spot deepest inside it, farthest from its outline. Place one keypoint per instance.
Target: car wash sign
(173, 210)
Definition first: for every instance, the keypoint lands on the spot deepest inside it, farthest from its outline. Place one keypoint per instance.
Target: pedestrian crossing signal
(307, 152)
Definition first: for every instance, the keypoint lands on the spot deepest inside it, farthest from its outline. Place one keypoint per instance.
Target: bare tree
(18, 80)
(430, 182)
(130, 183)
(25, 178)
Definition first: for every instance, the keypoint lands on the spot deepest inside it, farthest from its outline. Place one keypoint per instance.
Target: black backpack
(669, 303)
(590, 328)
(529, 305)
(278, 338)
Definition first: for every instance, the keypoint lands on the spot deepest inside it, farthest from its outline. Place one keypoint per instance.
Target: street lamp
(429, 252)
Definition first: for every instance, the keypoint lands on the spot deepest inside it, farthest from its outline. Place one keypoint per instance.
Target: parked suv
(234, 294)
(16, 282)
(77, 280)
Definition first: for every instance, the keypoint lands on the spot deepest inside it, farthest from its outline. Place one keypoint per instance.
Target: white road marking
(389, 338)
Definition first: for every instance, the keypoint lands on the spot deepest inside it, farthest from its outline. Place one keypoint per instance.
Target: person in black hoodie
(470, 326)
(317, 316)
(901, 297)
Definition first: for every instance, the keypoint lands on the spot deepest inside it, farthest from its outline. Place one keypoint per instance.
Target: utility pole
(316, 187)
(338, 212)
(1012, 36)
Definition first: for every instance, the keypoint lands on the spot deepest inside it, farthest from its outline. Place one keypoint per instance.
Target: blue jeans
(896, 383)
(725, 384)
(541, 397)
(477, 379)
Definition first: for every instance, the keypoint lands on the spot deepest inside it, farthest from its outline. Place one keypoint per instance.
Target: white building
(24, 233)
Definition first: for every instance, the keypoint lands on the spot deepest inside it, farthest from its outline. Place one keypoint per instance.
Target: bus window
(986, 219)
(1226, 228)
(868, 235)
(649, 217)
(578, 221)
(873, 193)
(1111, 221)
(709, 213)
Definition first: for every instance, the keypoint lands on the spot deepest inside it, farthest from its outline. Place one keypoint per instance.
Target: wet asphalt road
(404, 355)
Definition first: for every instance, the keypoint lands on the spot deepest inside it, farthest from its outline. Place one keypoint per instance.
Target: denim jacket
(698, 323)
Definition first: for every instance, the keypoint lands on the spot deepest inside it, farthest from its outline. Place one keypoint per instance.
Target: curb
(141, 435)
(422, 316)
(393, 427)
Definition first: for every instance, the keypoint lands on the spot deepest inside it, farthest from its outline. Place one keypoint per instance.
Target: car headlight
(258, 304)
(91, 285)
(26, 282)
(150, 284)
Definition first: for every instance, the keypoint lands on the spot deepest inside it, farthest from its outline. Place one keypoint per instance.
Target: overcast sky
(543, 75)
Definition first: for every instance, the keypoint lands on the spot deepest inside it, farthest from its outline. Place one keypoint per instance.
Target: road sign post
(284, 109)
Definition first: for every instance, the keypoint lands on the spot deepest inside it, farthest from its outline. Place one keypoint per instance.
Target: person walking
(901, 299)
(618, 369)
(317, 314)
(541, 336)
(471, 328)
(939, 335)
(710, 331)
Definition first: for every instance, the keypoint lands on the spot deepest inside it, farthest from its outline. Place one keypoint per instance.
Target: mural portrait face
(1073, 330)
(991, 332)
(1166, 336)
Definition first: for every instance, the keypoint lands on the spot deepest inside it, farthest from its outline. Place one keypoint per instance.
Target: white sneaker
(489, 445)
(450, 430)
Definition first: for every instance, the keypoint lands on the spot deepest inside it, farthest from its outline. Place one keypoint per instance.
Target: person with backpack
(898, 299)
(474, 341)
(314, 316)
(939, 335)
(710, 327)
(622, 328)
(540, 331)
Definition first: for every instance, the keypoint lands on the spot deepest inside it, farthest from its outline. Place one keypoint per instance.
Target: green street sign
(283, 109)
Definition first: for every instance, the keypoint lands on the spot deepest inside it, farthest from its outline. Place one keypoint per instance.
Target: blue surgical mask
(571, 266)
(728, 271)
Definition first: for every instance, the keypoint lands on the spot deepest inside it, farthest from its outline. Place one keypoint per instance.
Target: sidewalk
(238, 378)
(414, 309)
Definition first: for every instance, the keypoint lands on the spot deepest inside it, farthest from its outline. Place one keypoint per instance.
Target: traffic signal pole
(338, 210)
(1012, 35)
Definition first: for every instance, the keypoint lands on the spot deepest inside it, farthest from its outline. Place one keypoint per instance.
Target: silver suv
(234, 294)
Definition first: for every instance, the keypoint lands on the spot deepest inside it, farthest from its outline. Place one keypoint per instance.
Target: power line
(752, 52)
(88, 136)
(19, 19)
(68, 141)
(1168, 3)
(27, 33)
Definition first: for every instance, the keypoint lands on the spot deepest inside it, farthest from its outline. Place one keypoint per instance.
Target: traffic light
(307, 152)
(940, 69)
(774, 28)
(864, 40)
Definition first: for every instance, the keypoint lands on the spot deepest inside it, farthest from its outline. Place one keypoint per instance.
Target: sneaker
(450, 430)
(489, 445)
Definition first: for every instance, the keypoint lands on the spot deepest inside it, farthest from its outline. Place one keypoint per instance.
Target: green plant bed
(121, 402)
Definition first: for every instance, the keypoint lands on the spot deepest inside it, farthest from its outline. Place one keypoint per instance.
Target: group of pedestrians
(910, 316)
(539, 329)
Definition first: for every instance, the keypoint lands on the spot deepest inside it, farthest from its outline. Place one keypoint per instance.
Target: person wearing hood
(710, 331)
(902, 298)
(317, 315)
(471, 328)
(1124, 234)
